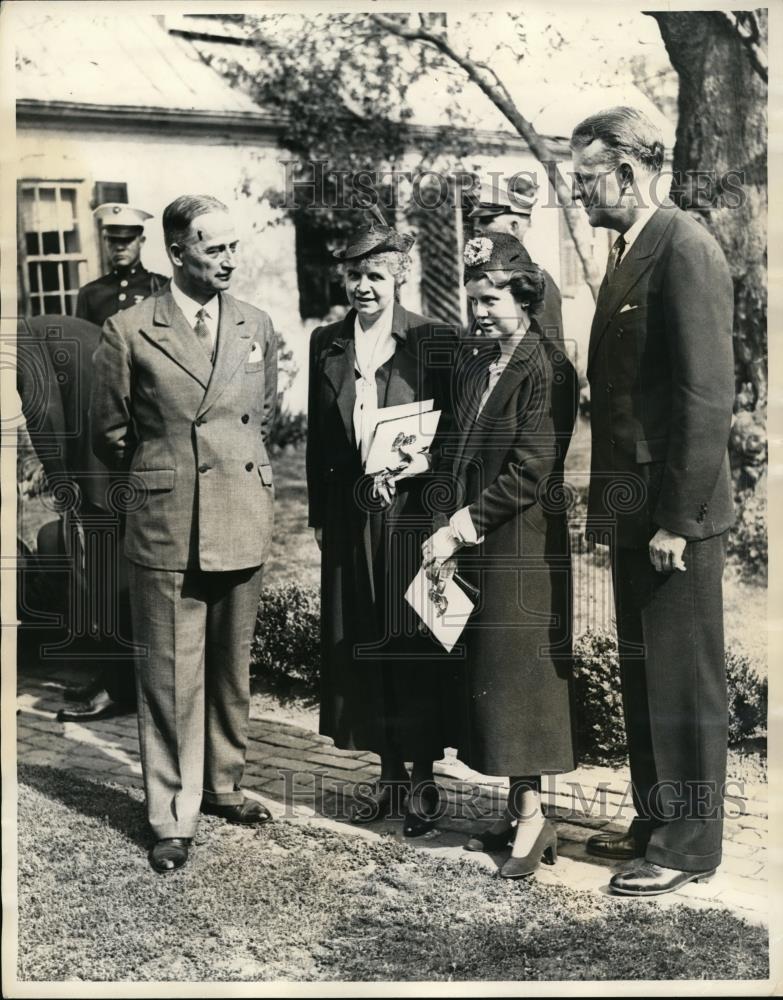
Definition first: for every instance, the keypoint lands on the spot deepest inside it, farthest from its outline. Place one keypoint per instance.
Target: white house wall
(158, 168)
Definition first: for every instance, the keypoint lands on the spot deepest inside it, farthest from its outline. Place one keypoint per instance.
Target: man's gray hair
(625, 132)
(178, 215)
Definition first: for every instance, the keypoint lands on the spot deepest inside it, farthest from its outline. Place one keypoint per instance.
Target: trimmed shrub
(600, 727)
(748, 541)
(599, 713)
(748, 697)
(287, 638)
(287, 644)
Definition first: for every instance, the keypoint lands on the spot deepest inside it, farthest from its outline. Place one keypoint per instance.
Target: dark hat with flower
(375, 237)
(494, 252)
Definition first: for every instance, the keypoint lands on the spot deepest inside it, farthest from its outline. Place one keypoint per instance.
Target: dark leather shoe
(544, 849)
(424, 810)
(169, 854)
(489, 840)
(248, 812)
(614, 846)
(383, 800)
(102, 707)
(648, 879)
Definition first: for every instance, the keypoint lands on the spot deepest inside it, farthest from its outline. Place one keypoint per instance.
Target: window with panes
(51, 246)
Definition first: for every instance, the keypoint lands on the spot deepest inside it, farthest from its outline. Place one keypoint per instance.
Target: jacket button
(200, 421)
(203, 467)
(245, 418)
(249, 466)
(609, 387)
(612, 441)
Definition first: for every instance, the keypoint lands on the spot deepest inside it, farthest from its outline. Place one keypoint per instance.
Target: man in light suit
(661, 373)
(183, 401)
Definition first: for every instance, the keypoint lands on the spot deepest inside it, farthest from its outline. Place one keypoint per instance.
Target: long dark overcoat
(513, 694)
(381, 680)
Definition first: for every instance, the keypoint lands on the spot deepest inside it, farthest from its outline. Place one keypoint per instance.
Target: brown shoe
(169, 854)
(248, 812)
(614, 846)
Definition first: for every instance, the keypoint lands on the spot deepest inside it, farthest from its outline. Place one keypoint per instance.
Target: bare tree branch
(490, 84)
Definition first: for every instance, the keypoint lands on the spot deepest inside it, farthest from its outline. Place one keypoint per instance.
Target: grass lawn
(298, 902)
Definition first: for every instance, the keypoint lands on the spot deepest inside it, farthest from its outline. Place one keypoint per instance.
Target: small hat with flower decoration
(494, 252)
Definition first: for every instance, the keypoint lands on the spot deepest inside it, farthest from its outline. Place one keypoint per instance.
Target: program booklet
(396, 440)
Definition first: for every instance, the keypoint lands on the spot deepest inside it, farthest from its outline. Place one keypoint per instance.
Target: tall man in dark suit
(184, 398)
(661, 374)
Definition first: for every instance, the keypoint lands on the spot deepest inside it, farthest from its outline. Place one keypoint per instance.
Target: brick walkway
(302, 777)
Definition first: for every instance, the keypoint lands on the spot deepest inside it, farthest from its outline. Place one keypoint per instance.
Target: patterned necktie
(615, 256)
(203, 334)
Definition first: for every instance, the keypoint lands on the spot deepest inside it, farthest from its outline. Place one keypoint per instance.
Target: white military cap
(121, 220)
(515, 194)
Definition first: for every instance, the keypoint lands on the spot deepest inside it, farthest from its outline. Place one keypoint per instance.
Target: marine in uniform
(508, 208)
(128, 282)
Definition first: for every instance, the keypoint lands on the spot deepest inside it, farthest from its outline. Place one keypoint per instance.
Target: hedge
(287, 643)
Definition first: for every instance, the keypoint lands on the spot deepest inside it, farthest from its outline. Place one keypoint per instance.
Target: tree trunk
(722, 128)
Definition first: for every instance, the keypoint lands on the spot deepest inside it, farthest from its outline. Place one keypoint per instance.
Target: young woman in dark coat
(515, 406)
(380, 678)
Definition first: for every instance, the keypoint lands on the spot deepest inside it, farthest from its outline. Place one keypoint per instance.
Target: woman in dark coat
(380, 679)
(515, 402)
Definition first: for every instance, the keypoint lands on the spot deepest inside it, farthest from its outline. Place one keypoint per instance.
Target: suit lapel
(232, 348)
(174, 336)
(640, 257)
(340, 371)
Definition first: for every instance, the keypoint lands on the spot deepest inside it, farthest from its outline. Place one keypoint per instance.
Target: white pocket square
(628, 307)
(255, 353)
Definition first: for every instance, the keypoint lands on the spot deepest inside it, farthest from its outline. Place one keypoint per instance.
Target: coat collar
(639, 259)
(340, 363)
(491, 420)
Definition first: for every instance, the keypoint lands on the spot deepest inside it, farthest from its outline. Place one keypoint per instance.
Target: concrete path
(302, 778)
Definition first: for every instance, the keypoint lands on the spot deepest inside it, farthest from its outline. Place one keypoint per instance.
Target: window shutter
(109, 191)
(440, 248)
